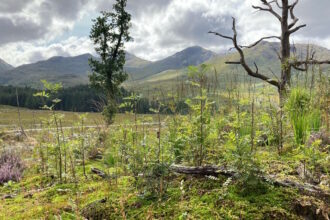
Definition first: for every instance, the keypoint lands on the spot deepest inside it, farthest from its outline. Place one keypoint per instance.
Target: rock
(309, 209)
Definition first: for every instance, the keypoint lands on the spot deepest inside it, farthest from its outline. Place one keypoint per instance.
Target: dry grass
(34, 118)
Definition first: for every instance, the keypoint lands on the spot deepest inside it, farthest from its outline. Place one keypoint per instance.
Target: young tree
(109, 33)
(288, 22)
(48, 92)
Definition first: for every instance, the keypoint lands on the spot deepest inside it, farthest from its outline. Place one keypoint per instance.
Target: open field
(36, 119)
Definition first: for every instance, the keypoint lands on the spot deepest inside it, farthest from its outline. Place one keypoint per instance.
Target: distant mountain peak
(194, 55)
(194, 49)
(4, 66)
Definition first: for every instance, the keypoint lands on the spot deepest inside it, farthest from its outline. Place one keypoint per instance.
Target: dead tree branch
(297, 28)
(261, 39)
(309, 62)
(269, 9)
(242, 61)
(293, 17)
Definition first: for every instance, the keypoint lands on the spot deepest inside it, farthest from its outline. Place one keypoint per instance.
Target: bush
(11, 167)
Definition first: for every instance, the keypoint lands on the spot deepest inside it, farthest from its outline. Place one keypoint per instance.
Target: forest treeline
(81, 98)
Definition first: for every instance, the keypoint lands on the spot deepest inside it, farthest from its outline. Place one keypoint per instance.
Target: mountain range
(73, 71)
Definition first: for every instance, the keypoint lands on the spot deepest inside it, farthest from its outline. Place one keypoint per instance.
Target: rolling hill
(73, 71)
(190, 56)
(263, 55)
(70, 71)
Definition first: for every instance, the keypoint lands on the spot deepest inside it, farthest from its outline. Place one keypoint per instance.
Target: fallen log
(306, 188)
(217, 170)
(9, 196)
(99, 172)
(202, 170)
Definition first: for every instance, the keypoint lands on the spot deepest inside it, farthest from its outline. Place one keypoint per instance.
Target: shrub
(11, 167)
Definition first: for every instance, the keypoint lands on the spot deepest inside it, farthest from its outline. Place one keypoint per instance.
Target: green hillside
(190, 56)
(143, 74)
(264, 55)
(72, 71)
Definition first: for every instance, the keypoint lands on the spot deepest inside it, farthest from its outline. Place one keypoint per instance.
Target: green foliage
(49, 91)
(109, 112)
(315, 120)
(177, 138)
(109, 33)
(303, 117)
(200, 113)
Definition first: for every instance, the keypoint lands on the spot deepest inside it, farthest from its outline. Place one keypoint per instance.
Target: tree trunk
(19, 115)
(285, 47)
(216, 170)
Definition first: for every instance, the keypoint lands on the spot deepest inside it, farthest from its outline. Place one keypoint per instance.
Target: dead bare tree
(19, 115)
(289, 26)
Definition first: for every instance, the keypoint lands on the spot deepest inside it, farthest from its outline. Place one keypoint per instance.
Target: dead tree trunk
(216, 170)
(19, 115)
(288, 22)
(202, 170)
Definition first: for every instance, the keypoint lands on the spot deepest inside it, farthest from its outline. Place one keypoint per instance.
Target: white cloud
(160, 27)
(23, 53)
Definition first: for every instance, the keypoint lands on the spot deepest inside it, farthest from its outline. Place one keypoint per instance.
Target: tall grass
(298, 107)
(315, 120)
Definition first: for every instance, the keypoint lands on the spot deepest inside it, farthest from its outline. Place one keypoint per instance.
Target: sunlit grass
(35, 118)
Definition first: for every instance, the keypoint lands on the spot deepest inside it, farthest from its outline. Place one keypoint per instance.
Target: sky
(34, 30)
